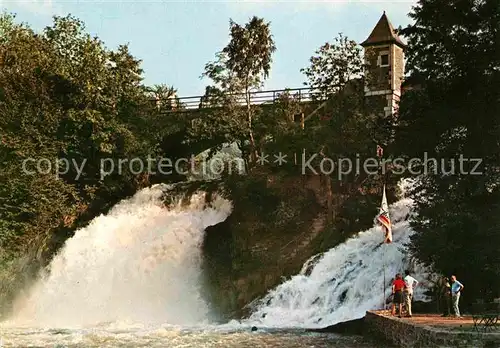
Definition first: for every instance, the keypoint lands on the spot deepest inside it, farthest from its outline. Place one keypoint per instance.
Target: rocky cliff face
(279, 221)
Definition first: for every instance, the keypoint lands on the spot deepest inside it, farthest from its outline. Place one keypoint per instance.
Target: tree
(452, 114)
(241, 68)
(164, 96)
(334, 65)
(339, 128)
(63, 95)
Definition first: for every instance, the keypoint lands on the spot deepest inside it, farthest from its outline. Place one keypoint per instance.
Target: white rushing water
(346, 281)
(140, 263)
(132, 278)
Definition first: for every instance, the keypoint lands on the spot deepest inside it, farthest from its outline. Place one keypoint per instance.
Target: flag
(384, 219)
(380, 151)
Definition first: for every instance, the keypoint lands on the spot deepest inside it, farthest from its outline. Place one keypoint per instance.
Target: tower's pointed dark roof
(383, 33)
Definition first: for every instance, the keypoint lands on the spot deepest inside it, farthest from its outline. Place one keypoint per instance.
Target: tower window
(384, 59)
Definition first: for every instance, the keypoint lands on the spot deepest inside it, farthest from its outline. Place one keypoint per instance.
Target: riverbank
(428, 330)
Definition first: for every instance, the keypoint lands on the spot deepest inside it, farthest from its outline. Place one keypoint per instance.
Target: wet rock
(354, 327)
(343, 296)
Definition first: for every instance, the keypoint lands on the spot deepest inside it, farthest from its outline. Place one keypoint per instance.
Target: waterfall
(346, 281)
(140, 263)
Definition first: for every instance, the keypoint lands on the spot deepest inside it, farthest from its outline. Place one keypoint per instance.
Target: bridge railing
(256, 98)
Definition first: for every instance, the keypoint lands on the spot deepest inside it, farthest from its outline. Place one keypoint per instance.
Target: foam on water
(133, 276)
(140, 263)
(346, 281)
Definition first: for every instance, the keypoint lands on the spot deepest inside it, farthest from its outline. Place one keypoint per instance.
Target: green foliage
(241, 67)
(347, 127)
(164, 96)
(334, 65)
(249, 52)
(245, 62)
(454, 63)
(342, 127)
(275, 127)
(223, 125)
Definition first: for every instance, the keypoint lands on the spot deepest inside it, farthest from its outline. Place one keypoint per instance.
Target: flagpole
(383, 286)
(379, 155)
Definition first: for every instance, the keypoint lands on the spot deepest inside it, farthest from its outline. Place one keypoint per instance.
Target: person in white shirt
(411, 283)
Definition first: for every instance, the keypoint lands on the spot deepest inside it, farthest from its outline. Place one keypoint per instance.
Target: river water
(171, 337)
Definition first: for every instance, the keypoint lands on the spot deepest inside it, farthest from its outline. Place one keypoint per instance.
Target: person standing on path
(444, 294)
(397, 291)
(456, 288)
(410, 283)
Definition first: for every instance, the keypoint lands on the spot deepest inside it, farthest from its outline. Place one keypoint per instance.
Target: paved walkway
(435, 320)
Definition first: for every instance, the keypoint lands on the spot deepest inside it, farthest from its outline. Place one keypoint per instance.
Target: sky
(175, 39)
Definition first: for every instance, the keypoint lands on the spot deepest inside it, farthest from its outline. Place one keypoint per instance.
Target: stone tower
(384, 56)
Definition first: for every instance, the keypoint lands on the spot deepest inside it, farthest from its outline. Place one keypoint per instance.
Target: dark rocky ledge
(351, 327)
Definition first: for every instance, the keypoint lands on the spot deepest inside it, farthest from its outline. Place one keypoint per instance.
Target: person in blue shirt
(456, 288)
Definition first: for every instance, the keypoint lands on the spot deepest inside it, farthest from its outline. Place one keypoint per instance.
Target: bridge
(180, 104)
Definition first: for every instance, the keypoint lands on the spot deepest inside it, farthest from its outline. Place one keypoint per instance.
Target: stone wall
(398, 70)
(404, 334)
(378, 78)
